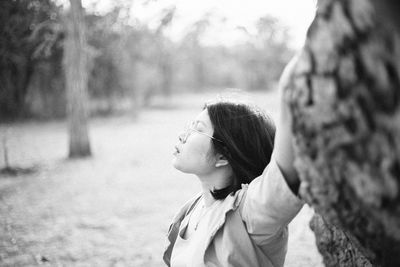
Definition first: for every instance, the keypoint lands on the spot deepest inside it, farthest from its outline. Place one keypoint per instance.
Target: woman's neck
(207, 197)
(210, 183)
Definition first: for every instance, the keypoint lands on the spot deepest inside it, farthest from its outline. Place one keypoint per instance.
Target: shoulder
(269, 203)
(271, 185)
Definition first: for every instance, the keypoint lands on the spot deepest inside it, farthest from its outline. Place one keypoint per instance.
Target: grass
(112, 209)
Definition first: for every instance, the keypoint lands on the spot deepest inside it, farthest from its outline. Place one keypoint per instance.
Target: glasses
(191, 128)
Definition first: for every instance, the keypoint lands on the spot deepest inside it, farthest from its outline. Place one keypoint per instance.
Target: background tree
(29, 34)
(76, 76)
(165, 57)
(265, 53)
(197, 52)
(132, 61)
(345, 104)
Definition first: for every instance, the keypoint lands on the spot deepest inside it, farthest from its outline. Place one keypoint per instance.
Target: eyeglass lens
(188, 130)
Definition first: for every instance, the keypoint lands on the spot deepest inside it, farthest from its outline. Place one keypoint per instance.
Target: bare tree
(76, 75)
(164, 62)
(345, 102)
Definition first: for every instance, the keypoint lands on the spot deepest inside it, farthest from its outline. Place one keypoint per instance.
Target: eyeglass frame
(188, 131)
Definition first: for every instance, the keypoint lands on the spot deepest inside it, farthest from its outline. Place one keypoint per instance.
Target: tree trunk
(345, 98)
(166, 73)
(338, 247)
(199, 68)
(76, 74)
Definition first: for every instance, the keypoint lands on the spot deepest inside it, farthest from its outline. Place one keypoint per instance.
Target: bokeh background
(151, 66)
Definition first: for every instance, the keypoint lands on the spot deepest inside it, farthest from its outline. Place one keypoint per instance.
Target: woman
(249, 189)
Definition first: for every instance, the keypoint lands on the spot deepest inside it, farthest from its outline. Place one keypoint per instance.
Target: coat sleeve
(269, 205)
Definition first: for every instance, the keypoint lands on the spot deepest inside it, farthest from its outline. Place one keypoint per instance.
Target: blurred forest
(129, 63)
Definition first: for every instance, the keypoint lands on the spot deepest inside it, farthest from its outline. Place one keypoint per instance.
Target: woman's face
(195, 154)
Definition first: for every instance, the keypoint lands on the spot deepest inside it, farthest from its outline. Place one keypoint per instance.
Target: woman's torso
(192, 230)
(248, 228)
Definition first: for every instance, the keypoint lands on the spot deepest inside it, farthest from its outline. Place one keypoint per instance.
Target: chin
(176, 165)
(179, 167)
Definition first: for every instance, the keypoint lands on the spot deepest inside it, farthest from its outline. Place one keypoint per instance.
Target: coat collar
(230, 203)
(175, 225)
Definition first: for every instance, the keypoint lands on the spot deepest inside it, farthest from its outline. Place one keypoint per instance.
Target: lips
(177, 151)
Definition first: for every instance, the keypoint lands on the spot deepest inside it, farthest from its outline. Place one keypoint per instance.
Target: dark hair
(247, 136)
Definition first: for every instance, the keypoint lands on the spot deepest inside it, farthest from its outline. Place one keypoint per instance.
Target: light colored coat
(250, 227)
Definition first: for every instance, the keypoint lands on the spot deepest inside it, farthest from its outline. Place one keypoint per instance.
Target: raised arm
(271, 201)
(283, 149)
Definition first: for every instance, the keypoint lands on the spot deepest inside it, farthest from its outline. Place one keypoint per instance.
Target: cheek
(194, 158)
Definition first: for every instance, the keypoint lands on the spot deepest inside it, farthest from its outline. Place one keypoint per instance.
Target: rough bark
(76, 75)
(345, 104)
(337, 246)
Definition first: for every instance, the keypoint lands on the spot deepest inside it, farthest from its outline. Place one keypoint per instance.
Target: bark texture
(76, 76)
(338, 247)
(346, 121)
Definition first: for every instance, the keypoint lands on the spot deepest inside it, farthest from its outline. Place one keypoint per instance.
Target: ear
(221, 161)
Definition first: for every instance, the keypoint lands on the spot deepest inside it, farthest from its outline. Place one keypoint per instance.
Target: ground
(114, 208)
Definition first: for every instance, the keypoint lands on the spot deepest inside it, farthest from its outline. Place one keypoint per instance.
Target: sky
(228, 15)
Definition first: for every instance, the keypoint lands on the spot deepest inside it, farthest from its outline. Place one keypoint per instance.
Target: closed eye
(199, 126)
(199, 129)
